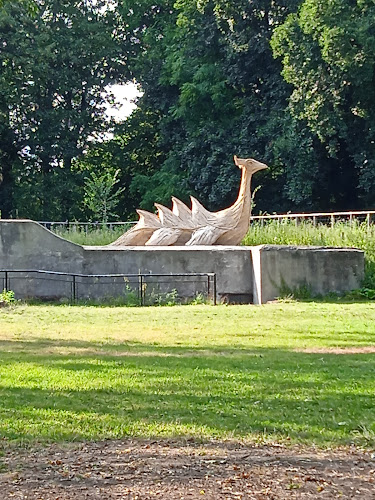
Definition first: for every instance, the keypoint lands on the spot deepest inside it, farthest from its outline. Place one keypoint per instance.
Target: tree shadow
(77, 390)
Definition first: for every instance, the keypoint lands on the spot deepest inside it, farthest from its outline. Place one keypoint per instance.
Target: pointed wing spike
(167, 217)
(182, 212)
(148, 219)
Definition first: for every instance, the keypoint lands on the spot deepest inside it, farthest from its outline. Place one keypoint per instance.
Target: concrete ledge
(256, 274)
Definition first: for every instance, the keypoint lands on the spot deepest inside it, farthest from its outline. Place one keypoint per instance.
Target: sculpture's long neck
(244, 195)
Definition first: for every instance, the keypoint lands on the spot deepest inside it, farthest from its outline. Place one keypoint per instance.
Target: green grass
(92, 237)
(72, 373)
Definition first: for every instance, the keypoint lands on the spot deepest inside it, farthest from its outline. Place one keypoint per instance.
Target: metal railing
(85, 226)
(331, 218)
(140, 280)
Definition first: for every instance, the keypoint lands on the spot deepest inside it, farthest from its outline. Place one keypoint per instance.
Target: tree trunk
(8, 157)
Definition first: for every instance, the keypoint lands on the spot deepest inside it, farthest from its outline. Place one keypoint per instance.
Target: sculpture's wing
(148, 219)
(207, 235)
(225, 219)
(164, 236)
(200, 215)
(135, 237)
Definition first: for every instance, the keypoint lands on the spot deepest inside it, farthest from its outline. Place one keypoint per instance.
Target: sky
(125, 95)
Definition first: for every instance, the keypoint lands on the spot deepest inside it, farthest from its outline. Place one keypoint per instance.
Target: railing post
(368, 220)
(6, 283)
(332, 220)
(140, 289)
(214, 289)
(73, 289)
(208, 285)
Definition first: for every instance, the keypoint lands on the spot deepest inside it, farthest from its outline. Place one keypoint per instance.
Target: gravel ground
(174, 470)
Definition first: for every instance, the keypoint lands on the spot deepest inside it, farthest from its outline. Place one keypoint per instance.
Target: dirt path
(172, 470)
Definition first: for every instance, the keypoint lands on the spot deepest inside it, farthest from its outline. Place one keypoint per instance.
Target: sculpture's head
(249, 164)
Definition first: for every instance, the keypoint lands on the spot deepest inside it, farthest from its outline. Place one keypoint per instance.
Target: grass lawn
(70, 373)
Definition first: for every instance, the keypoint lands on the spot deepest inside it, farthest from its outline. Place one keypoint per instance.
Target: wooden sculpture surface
(196, 226)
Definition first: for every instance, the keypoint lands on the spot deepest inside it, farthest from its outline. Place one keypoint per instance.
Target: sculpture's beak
(259, 166)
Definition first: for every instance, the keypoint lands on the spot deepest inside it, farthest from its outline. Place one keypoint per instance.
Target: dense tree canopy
(209, 70)
(289, 82)
(328, 52)
(55, 66)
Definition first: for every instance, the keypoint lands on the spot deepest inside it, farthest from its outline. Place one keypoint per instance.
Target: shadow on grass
(88, 391)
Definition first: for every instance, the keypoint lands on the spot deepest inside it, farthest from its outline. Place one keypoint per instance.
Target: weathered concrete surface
(248, 273)
(320, 269)
(26, 244)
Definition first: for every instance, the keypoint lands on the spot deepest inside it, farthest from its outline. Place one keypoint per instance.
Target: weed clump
(7, 298)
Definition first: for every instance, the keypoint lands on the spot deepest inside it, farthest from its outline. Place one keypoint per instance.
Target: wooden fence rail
(320, 217)
(316, 218)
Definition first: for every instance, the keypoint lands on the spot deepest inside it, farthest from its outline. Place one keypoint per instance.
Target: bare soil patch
(174, 470)
(338, 350)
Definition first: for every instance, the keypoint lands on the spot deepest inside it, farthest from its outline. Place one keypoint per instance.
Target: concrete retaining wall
(250, 274)
(319, 269)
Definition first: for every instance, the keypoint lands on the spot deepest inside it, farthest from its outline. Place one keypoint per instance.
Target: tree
(134, 152)
(55, 67)
(207, 68)
(100, 196)
(328, 55)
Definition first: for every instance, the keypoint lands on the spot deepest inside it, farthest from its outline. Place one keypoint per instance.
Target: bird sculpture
(196, 226)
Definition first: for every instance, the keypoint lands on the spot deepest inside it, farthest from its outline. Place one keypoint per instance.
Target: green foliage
(199, 299)
(93, 236)
(207, 68)
(7, 298)
(363, 293)
(211, 88)
(302, 292)
(100, 197)
(157, 298)
(55, 66)
(327, 50)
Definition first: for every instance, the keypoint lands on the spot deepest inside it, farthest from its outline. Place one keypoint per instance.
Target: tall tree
(208, 68)
(328, 55)
(55, 67)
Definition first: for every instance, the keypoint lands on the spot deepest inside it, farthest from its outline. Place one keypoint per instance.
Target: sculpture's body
(197, 226)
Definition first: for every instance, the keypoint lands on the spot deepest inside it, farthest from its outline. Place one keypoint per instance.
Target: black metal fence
(136, 289)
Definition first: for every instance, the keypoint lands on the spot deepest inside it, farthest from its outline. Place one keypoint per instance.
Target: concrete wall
(243, 273)
(320, 269)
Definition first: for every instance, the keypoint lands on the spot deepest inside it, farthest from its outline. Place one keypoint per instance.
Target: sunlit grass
(92, 236)
(87, 373)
